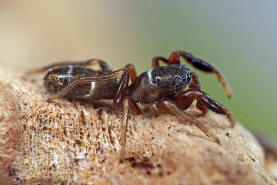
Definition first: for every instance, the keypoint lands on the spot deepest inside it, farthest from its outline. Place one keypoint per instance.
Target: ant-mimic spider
(162, 88)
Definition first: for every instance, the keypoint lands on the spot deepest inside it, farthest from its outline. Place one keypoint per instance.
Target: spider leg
(201, 65)
(172, 108)
(132, 71)
(127, 104)
(122, 87)
(204, 102)
(195, 83)
(198, 63)
(124, 125)
(102, 64)
(157, 59)
(129, 70)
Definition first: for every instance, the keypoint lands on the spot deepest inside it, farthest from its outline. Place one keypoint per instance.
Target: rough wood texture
(72, 142)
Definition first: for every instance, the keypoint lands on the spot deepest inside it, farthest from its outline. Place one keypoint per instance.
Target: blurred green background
(239, 37)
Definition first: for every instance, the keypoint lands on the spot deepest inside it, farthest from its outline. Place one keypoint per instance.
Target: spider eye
(158, 80)
(188, 77)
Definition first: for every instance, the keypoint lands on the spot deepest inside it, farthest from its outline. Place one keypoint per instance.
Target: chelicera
(161, 89)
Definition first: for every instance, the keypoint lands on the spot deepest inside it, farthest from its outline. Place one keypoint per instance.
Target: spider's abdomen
(59, 78)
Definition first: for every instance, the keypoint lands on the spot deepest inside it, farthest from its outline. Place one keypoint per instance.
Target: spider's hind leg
(172, 108)
(102, 64)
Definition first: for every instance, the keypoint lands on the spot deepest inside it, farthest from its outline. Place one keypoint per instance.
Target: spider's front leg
(198, 63)
(204, 102)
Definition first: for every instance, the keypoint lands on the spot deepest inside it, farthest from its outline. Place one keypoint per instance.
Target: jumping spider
(162, 88)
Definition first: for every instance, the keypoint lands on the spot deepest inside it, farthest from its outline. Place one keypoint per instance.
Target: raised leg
(102, 64)
(119, 95)
(156, 61)
(204, 102)
(200, 64)
(172, 108)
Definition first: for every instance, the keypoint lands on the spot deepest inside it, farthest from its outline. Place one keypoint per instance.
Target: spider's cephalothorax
(162, 87)
(159, 82)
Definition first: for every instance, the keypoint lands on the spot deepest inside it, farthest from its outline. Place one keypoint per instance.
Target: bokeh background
(239, 37)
